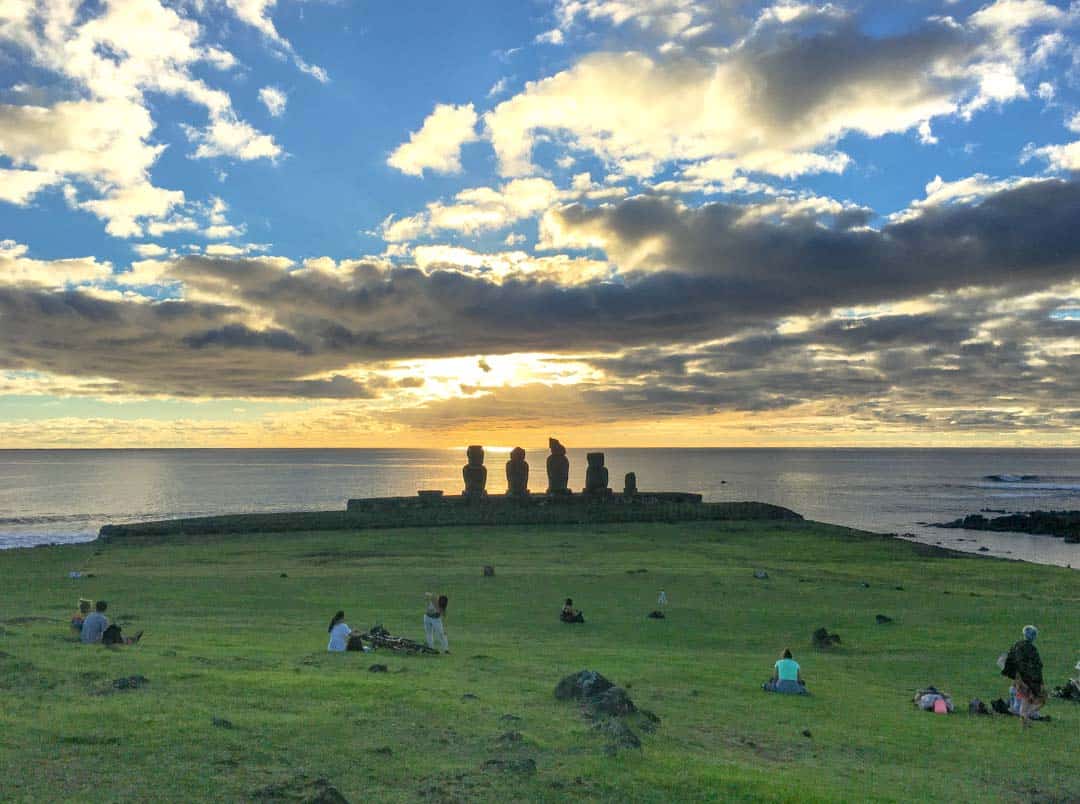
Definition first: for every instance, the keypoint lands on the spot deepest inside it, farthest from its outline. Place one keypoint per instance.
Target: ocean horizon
(50, 496)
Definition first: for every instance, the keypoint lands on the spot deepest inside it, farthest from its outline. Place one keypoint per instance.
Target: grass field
(228, 637)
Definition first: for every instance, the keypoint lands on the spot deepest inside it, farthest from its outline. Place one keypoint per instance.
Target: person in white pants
(434, 619)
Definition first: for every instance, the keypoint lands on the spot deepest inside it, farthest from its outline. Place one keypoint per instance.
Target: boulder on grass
(582, 685)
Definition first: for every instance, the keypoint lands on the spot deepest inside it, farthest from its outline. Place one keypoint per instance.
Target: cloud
(256, 13)
(101, 144)
(772, 101)
(18, 269)
(274, 100)
(437, 144)
(1059, 157)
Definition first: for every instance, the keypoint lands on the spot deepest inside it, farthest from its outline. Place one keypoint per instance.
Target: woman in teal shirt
(787, 677)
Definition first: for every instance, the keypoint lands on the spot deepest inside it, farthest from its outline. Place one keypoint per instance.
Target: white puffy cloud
(109, 58)
(436, 146)
(1059, 157)
(257, 14)
(19, 186)
(18, 269)
(274, 100)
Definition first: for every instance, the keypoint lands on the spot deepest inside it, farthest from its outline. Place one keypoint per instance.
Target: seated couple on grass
(786, 678)
(96, 630)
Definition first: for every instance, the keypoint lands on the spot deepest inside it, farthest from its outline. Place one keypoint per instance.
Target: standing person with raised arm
(435, 620)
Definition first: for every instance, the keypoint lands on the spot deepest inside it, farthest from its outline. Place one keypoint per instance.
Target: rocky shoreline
(1060, 524)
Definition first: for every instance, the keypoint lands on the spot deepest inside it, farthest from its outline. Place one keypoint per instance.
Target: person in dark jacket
(1024, 666)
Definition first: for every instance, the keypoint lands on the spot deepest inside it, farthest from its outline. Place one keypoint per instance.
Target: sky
(619, 222)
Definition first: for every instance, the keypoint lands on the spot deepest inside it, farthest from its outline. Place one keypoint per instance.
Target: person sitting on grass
(79, 617)
(570, 614)
(1024, 666)
(339, 633)
(787, 677)
(96, 629)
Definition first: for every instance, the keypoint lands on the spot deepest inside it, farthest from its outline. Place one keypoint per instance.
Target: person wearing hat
(1024, 666)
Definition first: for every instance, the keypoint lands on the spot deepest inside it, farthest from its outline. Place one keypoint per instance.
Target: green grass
(227, 637)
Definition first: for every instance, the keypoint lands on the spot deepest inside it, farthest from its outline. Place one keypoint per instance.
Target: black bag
(355, 643)
(112, 636)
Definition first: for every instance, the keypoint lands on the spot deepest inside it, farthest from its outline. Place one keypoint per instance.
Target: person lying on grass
(786, 677)
(96, 629)
(1024, 666)
(569, 614)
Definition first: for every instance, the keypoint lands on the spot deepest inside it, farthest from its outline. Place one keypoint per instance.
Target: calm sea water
(49, 496)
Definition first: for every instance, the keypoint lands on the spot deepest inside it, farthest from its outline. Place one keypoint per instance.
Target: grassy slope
(227, 637)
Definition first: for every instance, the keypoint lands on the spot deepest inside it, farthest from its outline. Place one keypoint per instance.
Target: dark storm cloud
(693, 330)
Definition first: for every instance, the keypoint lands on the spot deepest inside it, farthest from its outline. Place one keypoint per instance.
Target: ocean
(56, 496)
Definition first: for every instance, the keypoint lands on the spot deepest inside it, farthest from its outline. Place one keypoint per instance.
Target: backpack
(112, 636)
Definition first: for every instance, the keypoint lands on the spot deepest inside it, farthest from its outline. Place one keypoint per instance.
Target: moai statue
(474, 473)
(630, 485)
(558, 468)
(596, 476)
(517, 474)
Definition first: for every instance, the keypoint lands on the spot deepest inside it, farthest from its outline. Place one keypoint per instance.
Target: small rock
(656, 615)
(613, 701)
(898, 588)
(882, 619)
(130, 682)
(383, 750)
(636, 572)
(284, 575)
(511, 737)
(581, 685)
(468, 696)
(489, 571)
(864, 584)
(761, 575)
(984, 549)
(622, 735)
(377, 668)
(526, 765)
(822, 639)
(222, 723)
(510, 719)
(806, 733)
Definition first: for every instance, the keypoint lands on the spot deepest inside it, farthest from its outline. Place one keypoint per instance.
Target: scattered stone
(636, 572)
(377, 668)
(383, 750)
(823, 640)
(612, 701)
(222, 723)
(984, 549)
(284, 575)
(761, 575)
(882, 619)
(622, 736)
(526, 765)
(898, 588)
(301, 788)
(130, 682)
(511, 737)
(582, 685)
(806, 733)
(468, 696)
(864, 584)
(489, 571)
(656, 615)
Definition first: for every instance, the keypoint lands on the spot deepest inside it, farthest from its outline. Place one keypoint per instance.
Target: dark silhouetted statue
(474, 472)
(630, 484)
(517, 474)
(596, 476)
(558, 468)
